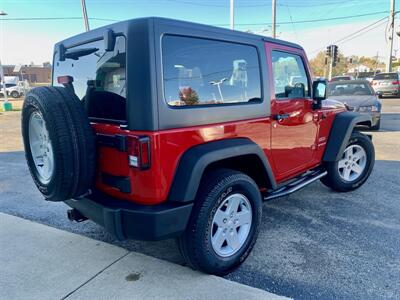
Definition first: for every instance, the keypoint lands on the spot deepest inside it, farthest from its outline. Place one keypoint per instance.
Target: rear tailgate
(121, 171)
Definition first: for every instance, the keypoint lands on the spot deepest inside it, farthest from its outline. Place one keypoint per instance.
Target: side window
(290, 77)
(203, 72)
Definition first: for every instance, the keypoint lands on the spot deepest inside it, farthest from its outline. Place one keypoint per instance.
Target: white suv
(12, 90)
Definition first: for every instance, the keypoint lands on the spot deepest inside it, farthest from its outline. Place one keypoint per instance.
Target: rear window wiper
(75, 54)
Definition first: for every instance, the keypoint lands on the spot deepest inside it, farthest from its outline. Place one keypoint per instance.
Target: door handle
(280, 117)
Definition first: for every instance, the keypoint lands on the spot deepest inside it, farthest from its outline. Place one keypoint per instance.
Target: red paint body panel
(291, 146)
(167, 146)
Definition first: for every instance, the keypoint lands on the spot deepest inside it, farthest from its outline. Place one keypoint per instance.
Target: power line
(313, 20)
(220, 24)
(356, 36)
(56, 18)
(353, 34)
(362, 29)
(264, 4)
(293, 26)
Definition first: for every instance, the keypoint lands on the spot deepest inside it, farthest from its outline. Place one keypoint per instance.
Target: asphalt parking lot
(313, 244)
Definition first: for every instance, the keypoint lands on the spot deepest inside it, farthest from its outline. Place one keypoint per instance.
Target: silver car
(386, 84)
(358, 96)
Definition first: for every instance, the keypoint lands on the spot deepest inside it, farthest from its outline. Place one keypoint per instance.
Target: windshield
(349, 89)
(386, 76)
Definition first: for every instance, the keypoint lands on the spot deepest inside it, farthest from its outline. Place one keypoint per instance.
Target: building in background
(34, 74)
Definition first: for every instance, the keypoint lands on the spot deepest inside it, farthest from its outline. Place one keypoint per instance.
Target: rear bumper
(131, 221)
(387, 91)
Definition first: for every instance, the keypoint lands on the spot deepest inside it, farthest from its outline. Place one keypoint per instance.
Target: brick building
(34, 74)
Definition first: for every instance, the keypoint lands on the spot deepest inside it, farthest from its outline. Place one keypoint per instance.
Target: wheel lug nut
(224, 220)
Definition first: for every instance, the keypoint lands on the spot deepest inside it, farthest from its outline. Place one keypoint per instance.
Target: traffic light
(335, 53)
(328, 50)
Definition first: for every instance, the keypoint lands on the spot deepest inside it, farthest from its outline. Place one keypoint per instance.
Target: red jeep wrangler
(157, 128)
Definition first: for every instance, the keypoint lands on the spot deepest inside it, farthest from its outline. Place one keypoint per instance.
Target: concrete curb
(41, 262)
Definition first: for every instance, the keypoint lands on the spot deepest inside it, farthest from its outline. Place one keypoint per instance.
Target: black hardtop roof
(123, 27)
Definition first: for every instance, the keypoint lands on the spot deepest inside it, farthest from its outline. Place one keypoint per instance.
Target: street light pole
(232, 14)
(85, 17)
(3, 83)
(6, 105)
(391, 31)
(274, 19)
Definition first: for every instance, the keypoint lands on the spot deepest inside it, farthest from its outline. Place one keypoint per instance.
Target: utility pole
(232, 14)
(84, 13)
(330, 68)
(391, 31)
(376, 63)
(274, 19)
(3, 82)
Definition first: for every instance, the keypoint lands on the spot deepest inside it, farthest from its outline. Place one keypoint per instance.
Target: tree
(189, 96)
(318, 64)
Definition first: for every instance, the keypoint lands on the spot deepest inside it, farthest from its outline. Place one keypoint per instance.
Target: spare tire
(59, 143)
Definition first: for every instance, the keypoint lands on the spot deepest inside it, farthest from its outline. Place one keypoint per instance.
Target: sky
(301, 21)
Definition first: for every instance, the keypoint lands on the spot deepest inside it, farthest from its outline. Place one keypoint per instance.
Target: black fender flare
(195, 160)
(342, 127)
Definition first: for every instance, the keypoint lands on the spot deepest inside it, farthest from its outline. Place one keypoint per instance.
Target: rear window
(341, 78)
(386, 76)
(207, 72)
(349, 89)
(98, 78)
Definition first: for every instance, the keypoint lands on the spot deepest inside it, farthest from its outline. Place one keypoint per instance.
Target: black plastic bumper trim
(126, 220)
(123, 184)
(114, 141)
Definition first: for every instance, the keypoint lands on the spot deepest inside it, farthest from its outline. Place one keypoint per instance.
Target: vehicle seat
(103, 104)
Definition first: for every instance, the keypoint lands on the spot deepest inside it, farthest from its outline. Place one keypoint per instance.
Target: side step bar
(296, 184)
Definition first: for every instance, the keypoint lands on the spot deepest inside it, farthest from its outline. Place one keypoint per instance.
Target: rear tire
(354, 167)
(63, 129)
(14, 94)
(219, 237)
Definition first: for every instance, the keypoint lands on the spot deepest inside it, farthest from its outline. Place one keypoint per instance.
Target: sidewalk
(41, 262)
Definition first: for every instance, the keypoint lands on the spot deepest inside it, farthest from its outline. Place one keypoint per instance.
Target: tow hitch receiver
(75, 215)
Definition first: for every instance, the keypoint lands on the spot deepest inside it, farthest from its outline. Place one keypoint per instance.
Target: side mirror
(319, 92)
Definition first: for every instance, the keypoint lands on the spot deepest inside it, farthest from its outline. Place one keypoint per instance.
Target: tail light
(139, 152)
(396, 82)
(65, 79)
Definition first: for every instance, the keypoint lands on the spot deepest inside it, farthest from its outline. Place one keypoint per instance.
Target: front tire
(14, 94)
(224, 224)
(354, 167)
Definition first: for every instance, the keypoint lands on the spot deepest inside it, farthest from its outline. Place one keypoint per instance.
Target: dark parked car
(386, 84)
(358, 96)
